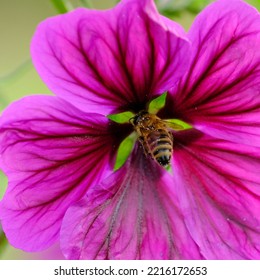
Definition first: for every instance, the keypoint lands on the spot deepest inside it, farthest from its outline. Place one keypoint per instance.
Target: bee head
(138, 117)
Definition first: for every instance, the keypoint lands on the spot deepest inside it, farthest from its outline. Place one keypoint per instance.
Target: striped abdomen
(160, 145)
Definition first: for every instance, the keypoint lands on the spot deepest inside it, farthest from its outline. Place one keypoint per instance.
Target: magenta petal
(117, 58)
(132, 215)
(220, 92)
(52, 154)
(219, 195)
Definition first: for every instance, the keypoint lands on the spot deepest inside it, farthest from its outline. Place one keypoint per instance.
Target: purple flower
(59, 152)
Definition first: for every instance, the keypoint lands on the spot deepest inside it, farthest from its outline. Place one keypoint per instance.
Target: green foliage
(124, 150)
(172, 5)
(197, 5)
(177, 124)
(121, 117)
(174, 8)
(62, 6)
(157, 104)
(3, 242)
(154, 107)
(87, 4)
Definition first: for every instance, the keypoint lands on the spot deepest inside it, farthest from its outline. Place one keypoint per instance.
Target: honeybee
(155, 136)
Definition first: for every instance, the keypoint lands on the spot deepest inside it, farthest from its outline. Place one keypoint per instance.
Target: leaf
(157, 104)
(62, 6)
(124, 150)
(121, 117)
(177, 124)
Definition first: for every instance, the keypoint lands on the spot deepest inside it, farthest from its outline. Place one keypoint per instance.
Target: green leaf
(3, 242)
(169, 169)
(177, 124)
(62, 6)
(197, 5)
(157, 104)
(124, 150)
(121, 117)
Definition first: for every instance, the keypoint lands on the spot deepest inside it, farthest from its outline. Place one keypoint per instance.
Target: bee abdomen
(163, 154)
(163, 157)
(161, 149)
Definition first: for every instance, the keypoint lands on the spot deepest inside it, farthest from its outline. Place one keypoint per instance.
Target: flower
(58, 152)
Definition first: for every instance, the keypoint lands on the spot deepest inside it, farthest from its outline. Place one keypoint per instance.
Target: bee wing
(177, 124)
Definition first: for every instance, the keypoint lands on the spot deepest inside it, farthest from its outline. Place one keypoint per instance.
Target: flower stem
(3, 242)
(16, 73)
(12, 77)
(87, 4)
(62, 6)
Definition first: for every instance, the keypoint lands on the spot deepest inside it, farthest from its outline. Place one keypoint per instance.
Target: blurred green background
(18, 77)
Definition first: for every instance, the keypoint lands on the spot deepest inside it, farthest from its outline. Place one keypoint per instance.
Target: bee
(155, 136)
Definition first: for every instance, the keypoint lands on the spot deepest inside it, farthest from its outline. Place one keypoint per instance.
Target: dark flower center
(153, 133)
